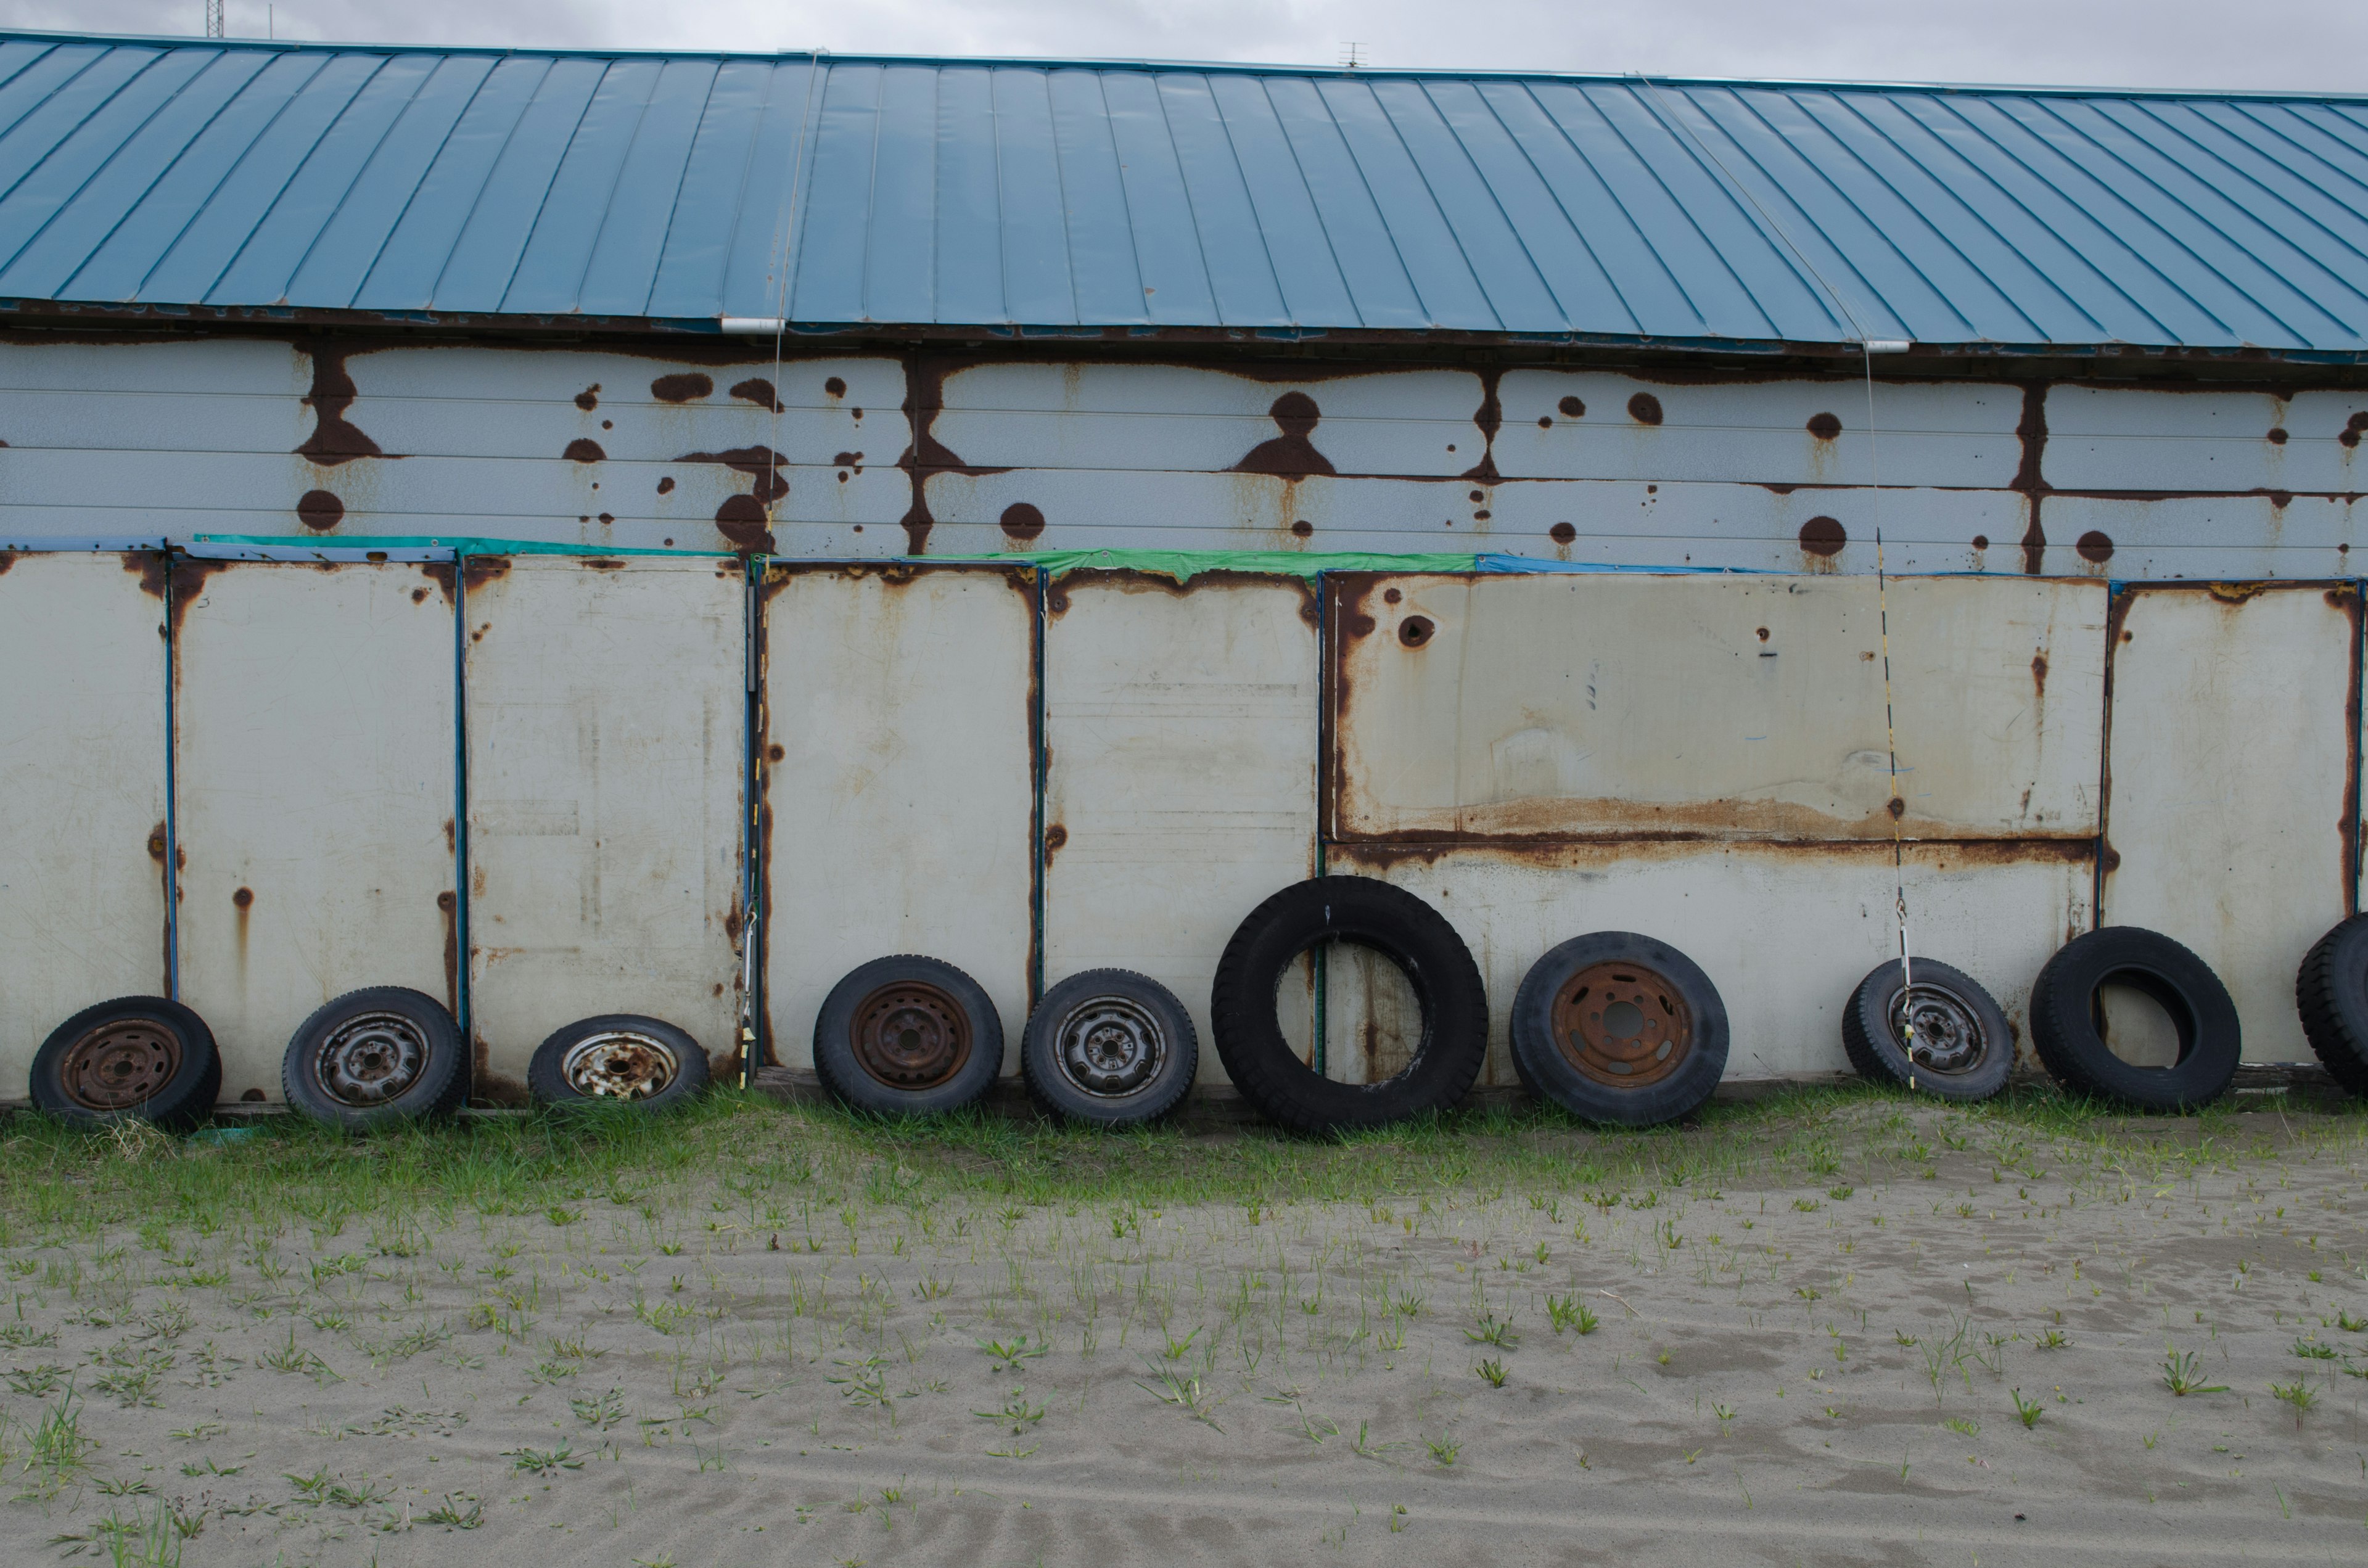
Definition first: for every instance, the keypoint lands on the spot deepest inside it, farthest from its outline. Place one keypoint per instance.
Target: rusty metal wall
(2231, 815)
(81, 791)
(313, 785)
(606, 715)
(1180, 783)
(880, 453)
(898, 778)
(1628, 706)
(1784, 931)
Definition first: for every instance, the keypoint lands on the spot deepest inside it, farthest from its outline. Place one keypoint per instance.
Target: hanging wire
(785, 236)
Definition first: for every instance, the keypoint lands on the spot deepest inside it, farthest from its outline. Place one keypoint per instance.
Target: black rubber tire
(546, 1075)
(1056, 1089)
(1399, 927)
(2331, 993)
(1549, 1074)
(1873, 1044)
(186, 1096)
(844, 1075)
(438, 1084)
(2063, 1024)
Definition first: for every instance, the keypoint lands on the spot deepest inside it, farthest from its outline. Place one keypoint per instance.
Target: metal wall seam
(2116, 598)
(1041, 757)
(752, 1002)
(172, 801)
(462, 982)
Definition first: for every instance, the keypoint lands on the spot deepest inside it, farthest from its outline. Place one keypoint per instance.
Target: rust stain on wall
(682, 386)
(449, 906)
(335, 439)
(925, 399)
(320, 510)
(760, 391)
(2029, 479)
(188, 584)
(583, 450)
(1291, 455)
(1490, 419)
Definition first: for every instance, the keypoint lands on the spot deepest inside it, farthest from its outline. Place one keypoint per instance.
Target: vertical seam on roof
(1299, 171)
(1775, 328)
(361, 167)
(2164, 230)
(1125, 200)
(1365, 183)
(70, 78)
(1489, 193)
(92, 252)
(1882, 235)
(1522, 151)
(1972, 213)
(681, 180)
(1061, 192)
(1002, 238)
(198, 208)
(2237, 175)
(295, 169)
(362, 276)
(1676, 283)
(871, 198)
(1941, 105)
(493, 166)
(740, 202)
(101, 166)
(2284, 138)
(543, 203)
(609, 206)
(1191, 208)
(33, 166)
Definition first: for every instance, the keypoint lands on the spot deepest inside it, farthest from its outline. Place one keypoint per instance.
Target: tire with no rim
(2066, 1030)
(2331, 993)
(1936, 1032)
(907, 1035)
(377, 1057)
(1402, 928)
(618, 1059)
(1620, 1027)
(1110, 1047)
(130, 1058)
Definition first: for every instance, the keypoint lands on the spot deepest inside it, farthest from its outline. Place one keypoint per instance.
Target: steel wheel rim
(1110, 1047)
(121, 1065)
(910, 1034)
(619, 1064)
(372, 1058)
(1622, 1024)
(1947, 1035)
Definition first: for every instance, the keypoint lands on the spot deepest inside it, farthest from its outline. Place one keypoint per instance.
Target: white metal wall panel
(1784, 932)
(82, 793)
(313, 756)
(1180, 724)
(899, 784)
(2232, 786)
(606, 716)
(1611, 706)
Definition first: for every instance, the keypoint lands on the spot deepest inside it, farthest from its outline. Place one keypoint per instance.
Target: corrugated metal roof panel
(1015, 194)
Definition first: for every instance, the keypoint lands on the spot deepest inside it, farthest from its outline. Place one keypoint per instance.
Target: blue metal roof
(999, 195)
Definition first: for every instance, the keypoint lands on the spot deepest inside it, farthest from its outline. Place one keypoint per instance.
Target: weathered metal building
(496, 522)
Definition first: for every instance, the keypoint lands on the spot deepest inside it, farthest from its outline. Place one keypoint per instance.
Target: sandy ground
(1816, 1360)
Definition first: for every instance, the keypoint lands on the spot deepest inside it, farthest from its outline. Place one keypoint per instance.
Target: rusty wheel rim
(1623, 1025)
(1110, 1047)
(121, 1065)
(910, 1035)
(1937, 1028)
(372, 1058)
(619, 1064)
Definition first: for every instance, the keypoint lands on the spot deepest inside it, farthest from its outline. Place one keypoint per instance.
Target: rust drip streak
(2347, 599)
(925, 399)
(2029, 480)
(335, 439)
(1490, 417)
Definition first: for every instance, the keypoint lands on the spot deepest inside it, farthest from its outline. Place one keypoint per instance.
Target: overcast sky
(2304, 44)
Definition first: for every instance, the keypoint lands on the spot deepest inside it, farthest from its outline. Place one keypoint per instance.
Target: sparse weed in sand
(1493, 1371)
(2027, 1411)
(2297, 1393)
(2180, 1376)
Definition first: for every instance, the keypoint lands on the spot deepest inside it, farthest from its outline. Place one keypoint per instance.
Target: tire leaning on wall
(618, 1059)
(374, 1058)
(907, 1035)
(1109, 1047)
(1620, 1027)
(2064, 1020)
(1247, 1026)
(2331, 993)
(130, 1058)
(1945, 1036)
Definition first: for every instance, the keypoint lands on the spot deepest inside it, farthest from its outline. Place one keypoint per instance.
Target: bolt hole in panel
(1621, 706)
(1181, 723)
(2231, 784)
(605, 714)
(1785, 931)
(313, 763)
(898, 781)
(82, 793)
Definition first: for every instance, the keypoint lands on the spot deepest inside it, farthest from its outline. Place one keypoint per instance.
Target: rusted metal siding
(2233, 804)
(1784, 931)
(863, 453)
(312, 775)
(1180, 788)
(606, 705)
(898, 781)
(81, 791)
(1593, 706)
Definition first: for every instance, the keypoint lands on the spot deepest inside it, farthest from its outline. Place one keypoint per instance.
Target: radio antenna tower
(213, 19)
